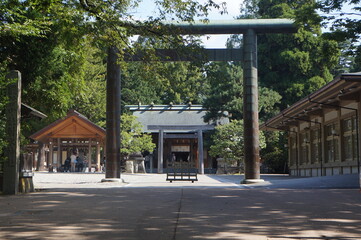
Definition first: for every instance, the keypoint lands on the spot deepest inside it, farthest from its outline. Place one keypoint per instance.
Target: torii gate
(249, 28)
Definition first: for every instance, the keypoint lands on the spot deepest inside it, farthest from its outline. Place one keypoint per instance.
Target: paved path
(77, 206)
(93, 180)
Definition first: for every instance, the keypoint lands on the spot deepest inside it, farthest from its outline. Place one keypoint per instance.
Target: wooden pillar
(98, 156)
(104, 155)
(41, 157)
(51, 158)
(308, 146)
(191, 151)
(104, 150)
(358, 134)
(160, 150)
(323, 144)
(35, 161)
(13, 115)
(58, 153)
(113, 116)
(200, 152)
(151, 163)
(299, 150)
(90, 155)
(289, 150)
(341, 155)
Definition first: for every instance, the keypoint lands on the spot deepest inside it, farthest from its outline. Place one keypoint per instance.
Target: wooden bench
(182, 171)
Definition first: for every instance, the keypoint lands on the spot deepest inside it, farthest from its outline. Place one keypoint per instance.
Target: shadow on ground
(182, 213)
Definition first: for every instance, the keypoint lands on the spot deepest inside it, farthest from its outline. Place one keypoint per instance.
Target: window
(315, 145)
(293, 149)
(305, 146)
(349, 139)
(332, 143)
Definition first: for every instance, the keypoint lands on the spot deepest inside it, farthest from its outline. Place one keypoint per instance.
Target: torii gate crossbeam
(249, 28)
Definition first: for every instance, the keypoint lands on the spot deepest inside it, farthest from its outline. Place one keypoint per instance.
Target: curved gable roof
(74, 125)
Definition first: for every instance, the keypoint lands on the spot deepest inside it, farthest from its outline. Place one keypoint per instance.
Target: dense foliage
(343, 18)
(293, 65)
(161, 83)
(60, 46)
(228, 142)
(224, 92)
(133, 140)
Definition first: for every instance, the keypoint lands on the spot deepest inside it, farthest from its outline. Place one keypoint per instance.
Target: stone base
(221, 166)
(112, 180)
(135, 165)
(250, 181)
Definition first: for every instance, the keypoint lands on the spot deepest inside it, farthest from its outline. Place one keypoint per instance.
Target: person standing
(67, 164)
(79, 164)
(73, 162)
(104, 161)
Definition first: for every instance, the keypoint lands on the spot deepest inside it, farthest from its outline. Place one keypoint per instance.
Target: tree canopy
(228, 142)
(294, 64)
(343, 20)
(133, 140)
(60, 47)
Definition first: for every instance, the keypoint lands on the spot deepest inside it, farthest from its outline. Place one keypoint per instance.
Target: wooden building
(178, 131)
(323, 129)
(73, 133)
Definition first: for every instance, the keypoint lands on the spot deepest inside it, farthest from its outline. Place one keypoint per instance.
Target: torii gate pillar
(250, 109)
(112, 155)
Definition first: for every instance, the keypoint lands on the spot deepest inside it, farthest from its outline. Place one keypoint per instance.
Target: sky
(147, 8)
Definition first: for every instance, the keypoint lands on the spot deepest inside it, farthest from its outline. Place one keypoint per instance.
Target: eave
(341, 90)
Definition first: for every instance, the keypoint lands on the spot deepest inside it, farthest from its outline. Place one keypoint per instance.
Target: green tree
(228, 142)
(161, 83)
(58, 46)
(3, 102)
(49, 60)
(224, 92)
(20, 21)
(91, 99)
(25, 19)
(295, 64)
(274, 155)
(225, 89)
(357, 61)
(133, 140)
(342, 18)
(50, 41)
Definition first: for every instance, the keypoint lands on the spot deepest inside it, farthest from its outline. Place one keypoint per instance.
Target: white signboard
(183, 148)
